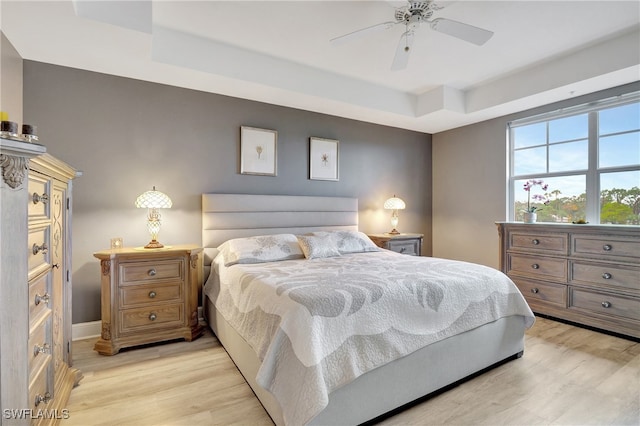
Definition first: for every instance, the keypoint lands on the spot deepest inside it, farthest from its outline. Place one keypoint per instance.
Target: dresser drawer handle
(44, 298)
(535, 241)
(403, 249)
(607, 276)
(43, 398)
(152, 294)
(535, 266)
(153, 316)
(44, 198)
(36, 248)
(152, 272)
(37, 349)
(607, 247)
(534, 290)
(606, 304)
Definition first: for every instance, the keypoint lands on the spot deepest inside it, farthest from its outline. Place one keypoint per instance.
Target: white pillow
(261, 249)
(318, 246)
(350, 241)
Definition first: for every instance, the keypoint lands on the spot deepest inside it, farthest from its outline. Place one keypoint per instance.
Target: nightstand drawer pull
(36, 248)
(152, 272)
(402, 249)
(44, 198)
(534, 290)
(606, 304)
(153, 316)
(607, 276)
(37, 349)
(44, 298)
(535, 241)
(152, 294)
(43, 398)
(535, 266)
(607, 247)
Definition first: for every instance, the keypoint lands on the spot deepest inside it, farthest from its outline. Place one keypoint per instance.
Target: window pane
(531, 135)
(569, 128)
(619, 150)
(566, 194)
(530, 160)
(620, 198)
(569, 156)
(619, 119)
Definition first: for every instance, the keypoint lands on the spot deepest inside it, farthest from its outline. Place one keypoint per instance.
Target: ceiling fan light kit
(412, 15)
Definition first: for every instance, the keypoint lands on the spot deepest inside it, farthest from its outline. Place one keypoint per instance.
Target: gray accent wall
(128, 135)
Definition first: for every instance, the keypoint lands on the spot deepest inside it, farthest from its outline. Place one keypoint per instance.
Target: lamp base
(154, 244)
(394, 231)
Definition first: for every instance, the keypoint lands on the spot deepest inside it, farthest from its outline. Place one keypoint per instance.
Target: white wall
(470, 183)
(10, 81)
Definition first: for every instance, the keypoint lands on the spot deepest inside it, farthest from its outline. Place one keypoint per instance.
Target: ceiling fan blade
(403, 50)
(361, 32)
(466, 32)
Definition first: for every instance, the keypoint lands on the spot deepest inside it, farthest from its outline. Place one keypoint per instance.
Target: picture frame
(323, 159)
(258, 151)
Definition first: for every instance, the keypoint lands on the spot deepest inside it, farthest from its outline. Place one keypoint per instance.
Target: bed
(360, 369)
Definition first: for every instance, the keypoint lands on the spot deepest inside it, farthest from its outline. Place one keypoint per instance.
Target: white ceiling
(279, 52)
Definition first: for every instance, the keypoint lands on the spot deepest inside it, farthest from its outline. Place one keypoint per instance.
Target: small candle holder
(116, 243)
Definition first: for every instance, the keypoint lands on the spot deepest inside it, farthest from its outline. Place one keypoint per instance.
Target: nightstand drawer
(411, 247)
(136, 272)
(152, 317)
(537, 267)
(539, 242)
(622, 277)
(150, 294)
(603, 303)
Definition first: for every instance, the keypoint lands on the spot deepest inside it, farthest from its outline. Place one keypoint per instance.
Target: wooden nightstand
(410, 244)
(148, 296)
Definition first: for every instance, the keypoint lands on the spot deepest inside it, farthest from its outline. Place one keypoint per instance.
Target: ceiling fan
(411, 16)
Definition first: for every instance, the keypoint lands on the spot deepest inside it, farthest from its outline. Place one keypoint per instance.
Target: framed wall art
(323, 159)
(258, 151)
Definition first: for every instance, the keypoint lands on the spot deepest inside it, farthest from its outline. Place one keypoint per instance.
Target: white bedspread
(319, 324)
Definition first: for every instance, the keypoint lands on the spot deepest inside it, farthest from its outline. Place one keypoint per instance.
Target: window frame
(592, 173)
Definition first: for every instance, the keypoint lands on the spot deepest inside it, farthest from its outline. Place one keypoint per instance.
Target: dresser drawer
(133, 320)
(38, 245)
(137, 272)
(606, 247)
(410, 247)
(40, 390)
(539, 242)
(39, 346)
(39, 298)
(150, 294)
(39, 205)
(537, 267)
(604, 303)
(533, 292)
(622, 277)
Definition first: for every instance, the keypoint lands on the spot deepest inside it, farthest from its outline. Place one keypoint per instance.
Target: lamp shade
(394, 203)
(153, 200)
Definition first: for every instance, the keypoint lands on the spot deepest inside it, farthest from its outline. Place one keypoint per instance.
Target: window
(588, 157)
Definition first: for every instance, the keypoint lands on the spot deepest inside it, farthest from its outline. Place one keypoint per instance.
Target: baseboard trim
(85, 330)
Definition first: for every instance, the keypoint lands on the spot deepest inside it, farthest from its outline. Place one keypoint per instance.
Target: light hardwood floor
(568, 376)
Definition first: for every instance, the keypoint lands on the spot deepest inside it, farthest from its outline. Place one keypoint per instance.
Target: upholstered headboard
(226, 216)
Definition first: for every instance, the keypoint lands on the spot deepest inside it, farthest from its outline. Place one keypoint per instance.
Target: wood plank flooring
(568, 376)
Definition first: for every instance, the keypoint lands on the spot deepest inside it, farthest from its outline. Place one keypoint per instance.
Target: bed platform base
(398, 385)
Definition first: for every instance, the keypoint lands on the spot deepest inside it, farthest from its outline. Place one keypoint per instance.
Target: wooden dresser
(35, 266)
(410, 244)
(582, 273)
(148, 296)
